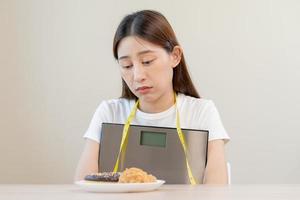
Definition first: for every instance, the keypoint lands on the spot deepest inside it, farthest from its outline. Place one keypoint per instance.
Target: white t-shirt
(194, 113)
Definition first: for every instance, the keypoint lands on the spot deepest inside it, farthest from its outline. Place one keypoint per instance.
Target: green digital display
(156, 139)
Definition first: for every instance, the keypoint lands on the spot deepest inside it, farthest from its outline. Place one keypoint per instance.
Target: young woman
(153, 68)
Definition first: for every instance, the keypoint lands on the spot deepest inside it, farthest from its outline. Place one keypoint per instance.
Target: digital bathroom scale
(156, 150)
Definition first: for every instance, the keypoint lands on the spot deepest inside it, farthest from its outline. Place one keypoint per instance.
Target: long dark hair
(153, 27)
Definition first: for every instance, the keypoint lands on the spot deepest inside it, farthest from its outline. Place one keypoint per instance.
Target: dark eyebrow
(139, 53)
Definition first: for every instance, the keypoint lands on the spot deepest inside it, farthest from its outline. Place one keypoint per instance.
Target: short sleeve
(101, 115)
(213, 123)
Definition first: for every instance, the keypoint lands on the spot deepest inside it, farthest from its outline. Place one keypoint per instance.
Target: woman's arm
(216, 168)
(88, 162)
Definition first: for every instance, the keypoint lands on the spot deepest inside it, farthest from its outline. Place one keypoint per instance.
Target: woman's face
(146, 68)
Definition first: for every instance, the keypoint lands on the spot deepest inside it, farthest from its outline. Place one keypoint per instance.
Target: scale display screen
(157, 139)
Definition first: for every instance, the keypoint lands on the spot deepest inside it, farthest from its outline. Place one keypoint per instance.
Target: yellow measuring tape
(125, 134)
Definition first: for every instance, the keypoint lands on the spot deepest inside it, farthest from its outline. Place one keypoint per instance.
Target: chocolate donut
(104, 176)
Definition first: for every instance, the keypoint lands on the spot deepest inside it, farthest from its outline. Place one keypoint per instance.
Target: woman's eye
(147, 62)
(127, 66)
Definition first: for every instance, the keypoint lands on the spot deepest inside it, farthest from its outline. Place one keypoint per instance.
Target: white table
(186, 192)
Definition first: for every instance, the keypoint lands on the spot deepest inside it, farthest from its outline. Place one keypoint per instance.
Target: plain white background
(57, 66)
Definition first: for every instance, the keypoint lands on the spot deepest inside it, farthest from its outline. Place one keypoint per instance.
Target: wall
(57, 65)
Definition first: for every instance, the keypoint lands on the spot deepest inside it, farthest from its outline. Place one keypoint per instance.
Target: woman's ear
(176, 56)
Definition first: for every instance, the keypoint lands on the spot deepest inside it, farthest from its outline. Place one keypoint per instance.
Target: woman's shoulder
(116, 103)
(198, 106)
(190, 101)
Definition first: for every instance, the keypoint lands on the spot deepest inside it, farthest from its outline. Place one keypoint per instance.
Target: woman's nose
(139, 73)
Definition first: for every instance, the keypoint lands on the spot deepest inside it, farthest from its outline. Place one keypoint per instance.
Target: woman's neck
(161, 104)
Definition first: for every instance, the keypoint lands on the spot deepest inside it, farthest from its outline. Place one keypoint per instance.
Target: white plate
(93, 186)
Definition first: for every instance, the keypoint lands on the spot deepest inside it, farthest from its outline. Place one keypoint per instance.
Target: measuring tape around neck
(124, 140)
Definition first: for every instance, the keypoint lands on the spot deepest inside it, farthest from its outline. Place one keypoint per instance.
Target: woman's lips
(144, 90)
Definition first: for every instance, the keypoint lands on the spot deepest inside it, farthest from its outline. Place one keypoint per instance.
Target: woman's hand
(216, 168)
(88, 162)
